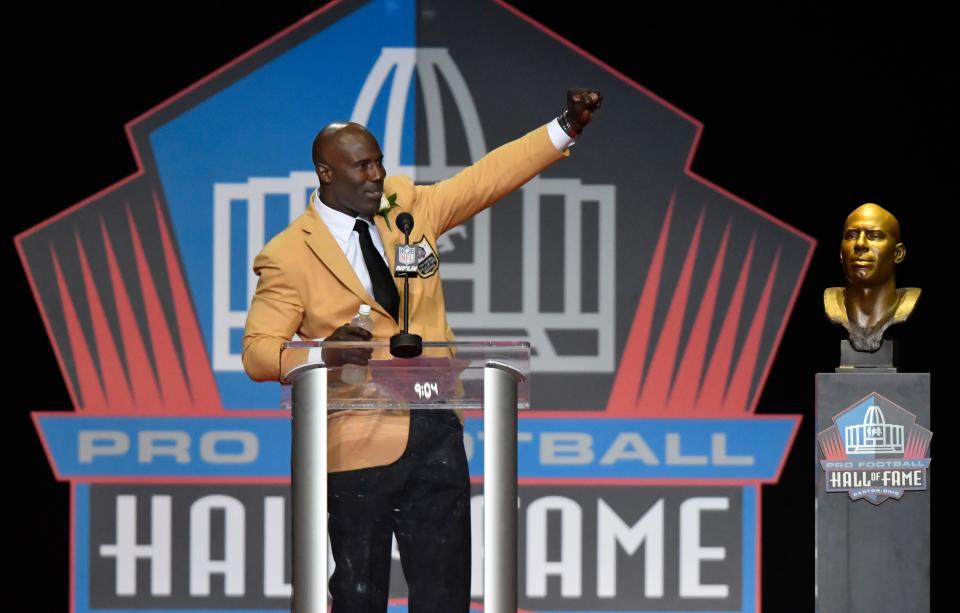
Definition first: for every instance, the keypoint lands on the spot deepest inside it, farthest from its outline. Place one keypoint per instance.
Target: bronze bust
(870, 302)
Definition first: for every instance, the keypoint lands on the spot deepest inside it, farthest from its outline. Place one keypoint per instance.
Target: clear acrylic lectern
(492, 376)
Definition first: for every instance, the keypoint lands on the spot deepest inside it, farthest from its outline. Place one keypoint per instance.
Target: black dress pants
(424, 499)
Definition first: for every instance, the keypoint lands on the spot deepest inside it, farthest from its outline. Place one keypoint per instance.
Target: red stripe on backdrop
(91, 392)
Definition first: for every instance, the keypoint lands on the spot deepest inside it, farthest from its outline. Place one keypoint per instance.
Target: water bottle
(353, 373)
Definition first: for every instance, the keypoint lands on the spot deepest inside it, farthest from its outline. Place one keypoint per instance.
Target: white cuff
(561, 140)
(315, 354)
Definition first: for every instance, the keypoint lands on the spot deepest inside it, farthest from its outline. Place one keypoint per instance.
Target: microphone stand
(403, 344)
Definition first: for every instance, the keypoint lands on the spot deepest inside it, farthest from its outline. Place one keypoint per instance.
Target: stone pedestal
(873, 553)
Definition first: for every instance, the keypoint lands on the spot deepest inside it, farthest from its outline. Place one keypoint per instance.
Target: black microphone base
(405, 345)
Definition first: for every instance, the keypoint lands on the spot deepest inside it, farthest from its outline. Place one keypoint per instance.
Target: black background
(808, 112)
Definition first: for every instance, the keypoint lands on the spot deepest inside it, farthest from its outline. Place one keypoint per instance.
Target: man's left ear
(324, 174)
(899, 252)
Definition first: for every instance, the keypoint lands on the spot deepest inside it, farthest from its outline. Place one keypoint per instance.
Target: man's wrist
(566, 125)
(560, 139)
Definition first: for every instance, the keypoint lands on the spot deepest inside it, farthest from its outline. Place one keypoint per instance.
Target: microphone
(403, 344)
(405, 223)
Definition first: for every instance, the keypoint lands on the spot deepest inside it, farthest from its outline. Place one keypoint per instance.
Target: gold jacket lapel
(322, 243)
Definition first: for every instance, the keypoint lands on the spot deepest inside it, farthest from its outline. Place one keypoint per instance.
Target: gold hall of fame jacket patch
(428, 262)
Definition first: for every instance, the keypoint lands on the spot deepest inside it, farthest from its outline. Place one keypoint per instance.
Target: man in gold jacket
(390, 473)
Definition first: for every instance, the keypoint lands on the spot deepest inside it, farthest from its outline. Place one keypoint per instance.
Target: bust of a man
(870, 302)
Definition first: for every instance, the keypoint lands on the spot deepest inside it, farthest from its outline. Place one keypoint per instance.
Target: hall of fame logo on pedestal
(875, 450)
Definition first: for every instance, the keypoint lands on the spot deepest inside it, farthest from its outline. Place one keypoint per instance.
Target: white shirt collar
(339, 224)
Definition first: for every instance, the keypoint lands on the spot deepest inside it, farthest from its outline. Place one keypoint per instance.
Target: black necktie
(384, 289)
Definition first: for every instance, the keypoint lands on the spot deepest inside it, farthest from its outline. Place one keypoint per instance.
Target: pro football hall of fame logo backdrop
(653, 299)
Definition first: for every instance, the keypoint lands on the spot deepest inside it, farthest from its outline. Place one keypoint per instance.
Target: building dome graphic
(874, 435)
(393, 81)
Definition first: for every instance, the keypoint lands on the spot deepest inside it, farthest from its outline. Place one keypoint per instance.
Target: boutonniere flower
(387, 203)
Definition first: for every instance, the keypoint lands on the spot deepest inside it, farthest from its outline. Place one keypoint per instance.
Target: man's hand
(339, 357)
(581, 104)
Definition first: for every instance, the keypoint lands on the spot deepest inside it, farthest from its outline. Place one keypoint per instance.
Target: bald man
(390, 472)
(871, 301)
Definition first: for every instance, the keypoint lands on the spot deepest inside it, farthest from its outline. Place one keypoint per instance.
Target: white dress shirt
(341, 227)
